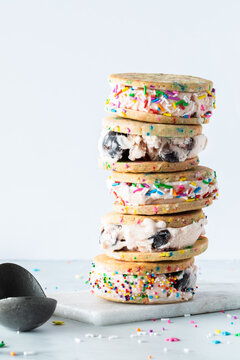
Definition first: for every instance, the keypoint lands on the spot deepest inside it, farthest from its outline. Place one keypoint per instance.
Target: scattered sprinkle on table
(2, 344)
(77, 340)
(226, 333)
(216, 342)
(29, 353)
(58, 322)
(90, 335)
(112, 337)
(12, 353)
(172, 339)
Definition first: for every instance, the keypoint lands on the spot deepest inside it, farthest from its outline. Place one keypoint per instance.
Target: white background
(55, 57)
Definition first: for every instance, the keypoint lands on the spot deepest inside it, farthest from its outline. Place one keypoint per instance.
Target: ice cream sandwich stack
(151, 142)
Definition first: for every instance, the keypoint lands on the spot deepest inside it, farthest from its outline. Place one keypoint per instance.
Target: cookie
(158, 81)
(173, 220)
(156, 117)
(170, 208)
(149, 166)
(169, 147)
(161, 98)
(151, 234)
(143, 282)
(197, 248)
(159, 193)
(131, 127)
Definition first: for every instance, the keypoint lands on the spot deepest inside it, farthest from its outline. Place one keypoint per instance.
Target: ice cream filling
(168, 103)
(152, 286)
(115, 146)
(140, 194)
(150, 236)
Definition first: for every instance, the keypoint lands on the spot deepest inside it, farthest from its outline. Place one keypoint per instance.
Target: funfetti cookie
(143, 282)
(134, 146)
(160, 193)
(161, 98)
(197, 248)
(153, 238)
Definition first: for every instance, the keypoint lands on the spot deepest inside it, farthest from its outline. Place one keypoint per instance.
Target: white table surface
(69, 341)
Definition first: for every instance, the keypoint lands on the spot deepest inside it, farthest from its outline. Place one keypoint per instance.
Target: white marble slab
(82, 306)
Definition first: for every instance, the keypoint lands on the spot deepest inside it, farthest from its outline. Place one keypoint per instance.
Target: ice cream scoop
(23, 303)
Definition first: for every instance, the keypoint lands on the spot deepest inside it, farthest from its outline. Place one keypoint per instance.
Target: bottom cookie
(143, 282)
(149, 166)
(163, 208)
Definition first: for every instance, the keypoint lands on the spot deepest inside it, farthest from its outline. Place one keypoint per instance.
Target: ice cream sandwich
(161, 98)
(135, 146)
(160, 193)
(143, 282)
(153, 237)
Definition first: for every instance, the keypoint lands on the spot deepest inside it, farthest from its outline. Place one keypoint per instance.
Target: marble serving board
(85, 307)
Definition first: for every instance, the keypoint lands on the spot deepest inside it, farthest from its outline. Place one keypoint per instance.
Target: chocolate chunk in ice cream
(160, 238)
(111, 145)
(185, 281)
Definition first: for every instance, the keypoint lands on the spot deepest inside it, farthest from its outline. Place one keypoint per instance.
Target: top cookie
(161, 98)
(198, 174)
(163, 81)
